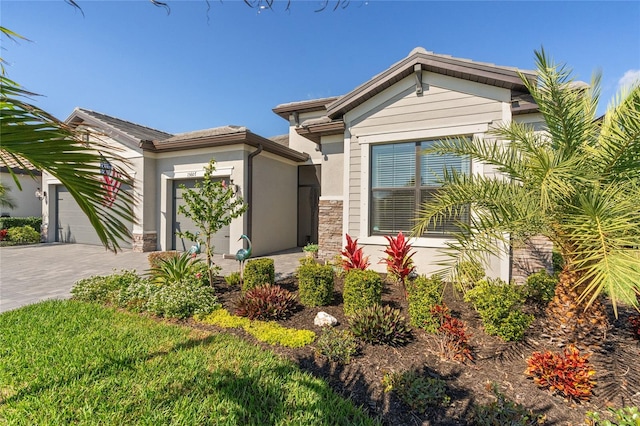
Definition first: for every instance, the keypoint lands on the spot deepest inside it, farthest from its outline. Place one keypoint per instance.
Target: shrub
(233, 279)
(634, 325)
(353, 256)
(417, 391)
(424, 294)
(267, 302)
(503, 411)
(361, 290)
(541, 286)
(399, 261)
(136, 295)
(222, 318)
(183, 299)
(311, 248)
(155, 258)
(258, 272)
(557, 261)
(16, 222)
(103, 289)
(452, 336)
(467, 274)
(23, 235)
(177, 268)
(3, 234)
(337, 345)
(568, 374)
(627, 416)
(499, 304)
(315, 284)
(380, 325)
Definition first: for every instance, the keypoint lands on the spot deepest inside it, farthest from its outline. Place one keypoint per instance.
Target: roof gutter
(250, 189)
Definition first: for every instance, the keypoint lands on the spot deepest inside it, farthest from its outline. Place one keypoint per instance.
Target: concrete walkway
(29, 274)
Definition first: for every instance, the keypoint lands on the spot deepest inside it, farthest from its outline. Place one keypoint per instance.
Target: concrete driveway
(29, 274)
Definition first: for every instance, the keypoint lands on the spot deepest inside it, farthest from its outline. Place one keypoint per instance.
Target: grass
(68, 362)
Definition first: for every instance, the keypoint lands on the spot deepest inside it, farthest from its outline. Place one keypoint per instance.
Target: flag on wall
(111, 183)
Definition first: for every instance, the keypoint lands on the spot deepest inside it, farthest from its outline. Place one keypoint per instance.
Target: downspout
(250, 190)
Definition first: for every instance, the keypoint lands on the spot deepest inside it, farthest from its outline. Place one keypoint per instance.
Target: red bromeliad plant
(399, 261)
(569, 374)
(353, 256)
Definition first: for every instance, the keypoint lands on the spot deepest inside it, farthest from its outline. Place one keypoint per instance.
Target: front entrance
(182, 223)
(308, 198)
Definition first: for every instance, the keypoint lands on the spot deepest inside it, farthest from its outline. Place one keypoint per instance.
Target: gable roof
(132, 132)
(421, 60)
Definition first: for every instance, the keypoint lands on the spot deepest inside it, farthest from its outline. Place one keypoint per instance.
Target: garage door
(73, 226)
(182, 223)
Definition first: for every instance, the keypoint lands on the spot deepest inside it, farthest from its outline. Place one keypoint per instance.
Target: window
(402, 178)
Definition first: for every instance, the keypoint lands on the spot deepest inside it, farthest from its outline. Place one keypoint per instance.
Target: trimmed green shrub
(499, 305)
(266, 302)
(155, 258)
(627, 416)
(424, 294)
(23, 235)
(337, 345)
(103, 289)
(315, 284)
(541, 286)
(467, 274)
(503, 411)
(183, 299)
(417, 391)
(362, 289)
(16, 222)
(258, 272)
(380, 325)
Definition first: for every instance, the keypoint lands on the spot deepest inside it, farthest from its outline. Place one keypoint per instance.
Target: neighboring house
(26, 202)
(350, 164)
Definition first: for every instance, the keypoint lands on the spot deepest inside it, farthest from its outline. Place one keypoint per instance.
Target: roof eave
(285, 110)
(314, 132)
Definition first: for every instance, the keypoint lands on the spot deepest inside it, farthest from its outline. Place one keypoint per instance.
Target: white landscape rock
(323, 319)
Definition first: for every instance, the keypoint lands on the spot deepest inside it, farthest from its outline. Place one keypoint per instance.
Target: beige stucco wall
(332, 149)
(447, 107)
(26, 203)
(275, 188)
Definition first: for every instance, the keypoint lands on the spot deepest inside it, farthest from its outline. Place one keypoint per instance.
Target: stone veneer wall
(533, 256)
(145, 242)
(329, 228)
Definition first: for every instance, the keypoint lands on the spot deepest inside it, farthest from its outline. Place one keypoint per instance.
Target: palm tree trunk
(570, 321)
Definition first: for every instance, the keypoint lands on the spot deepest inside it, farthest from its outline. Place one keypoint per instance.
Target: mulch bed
(495, 361)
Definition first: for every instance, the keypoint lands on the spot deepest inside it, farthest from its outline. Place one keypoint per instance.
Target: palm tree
(31, 135)
(576, 182)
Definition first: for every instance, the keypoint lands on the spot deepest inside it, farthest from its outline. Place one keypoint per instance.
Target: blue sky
(192, 70)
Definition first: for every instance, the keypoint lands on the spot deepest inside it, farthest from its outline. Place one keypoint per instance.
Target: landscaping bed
(495, 362)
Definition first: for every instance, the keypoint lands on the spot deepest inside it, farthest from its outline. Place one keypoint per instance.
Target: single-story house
(349, 164)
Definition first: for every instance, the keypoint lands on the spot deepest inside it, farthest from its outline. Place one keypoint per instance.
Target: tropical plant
(30, 135)
(399, 258)
(337, 345)
(417, 391)
(174, 269)
(353, 256)
(574, 181)
(380, 325)
(211, 205)
(266, 302)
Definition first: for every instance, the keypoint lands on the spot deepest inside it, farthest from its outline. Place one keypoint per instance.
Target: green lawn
(67, 362)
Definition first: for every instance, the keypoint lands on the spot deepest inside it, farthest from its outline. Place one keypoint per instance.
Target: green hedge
(424, 294)
(258, 272)
(362, 289)
(16, 222)
(315, 284)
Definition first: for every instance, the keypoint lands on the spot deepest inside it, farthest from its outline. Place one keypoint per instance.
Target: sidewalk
(29, 274)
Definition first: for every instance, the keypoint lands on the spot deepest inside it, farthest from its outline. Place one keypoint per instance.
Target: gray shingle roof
(134, 130)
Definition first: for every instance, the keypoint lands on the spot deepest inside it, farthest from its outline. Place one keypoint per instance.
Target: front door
(308, 198)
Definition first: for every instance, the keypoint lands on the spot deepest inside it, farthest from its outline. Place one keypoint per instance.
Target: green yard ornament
(211, 205)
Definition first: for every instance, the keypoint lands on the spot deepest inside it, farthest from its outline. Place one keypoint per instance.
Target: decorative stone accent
(532, 256)
(145, 242)
(44, 229)
(323, 318)
(329, 228)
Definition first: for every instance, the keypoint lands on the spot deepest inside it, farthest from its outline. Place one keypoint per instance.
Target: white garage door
(182, 223)
(72, 225)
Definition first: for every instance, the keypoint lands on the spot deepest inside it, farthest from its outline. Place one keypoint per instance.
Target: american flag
(111, 183)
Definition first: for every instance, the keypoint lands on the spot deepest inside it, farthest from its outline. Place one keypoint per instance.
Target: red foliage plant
(267, 302)
(399, 261)
(353, 256)
(3, 234)
(634, 324)
(568, 374)
(452, 335)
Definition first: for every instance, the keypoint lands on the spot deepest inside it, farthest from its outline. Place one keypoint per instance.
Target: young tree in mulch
(211, 204)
